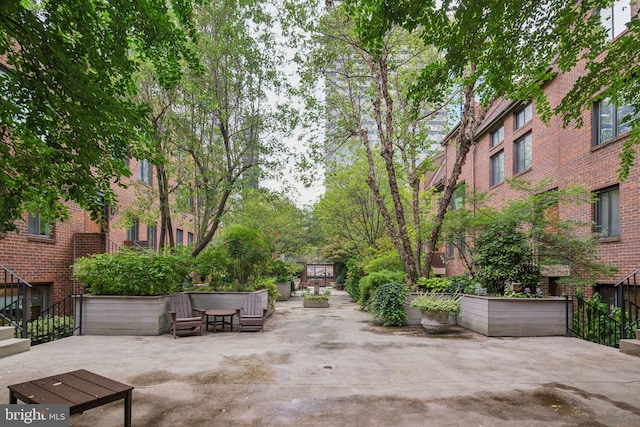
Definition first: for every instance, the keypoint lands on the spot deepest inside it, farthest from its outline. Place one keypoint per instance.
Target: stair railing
(628, 299)
(14, 301)
(58, 321)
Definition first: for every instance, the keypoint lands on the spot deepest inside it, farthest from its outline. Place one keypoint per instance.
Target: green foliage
(437, 302)
(369, 285)
(129, 272)
(213, 263)
(285, 271)
(311, 297)
(504, 255)
(68, 103)
(461, 285)
(388, 304)
(389, 261)
(433, 284)
(594, 322)
(249, 253)
(50, 328)
(272, 290)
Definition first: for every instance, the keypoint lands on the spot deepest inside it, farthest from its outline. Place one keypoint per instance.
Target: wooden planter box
(315, 303)
(284, 288)
(124, 315)
(513, 317)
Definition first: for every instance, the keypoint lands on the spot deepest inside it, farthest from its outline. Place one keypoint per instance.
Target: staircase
(10, 345)
(631, 346)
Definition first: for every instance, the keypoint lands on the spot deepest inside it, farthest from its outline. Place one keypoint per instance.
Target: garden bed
(513, 317)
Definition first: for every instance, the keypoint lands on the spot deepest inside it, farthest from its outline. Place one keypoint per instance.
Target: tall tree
(229, 128)
(488, 49)
(68, 117)
(365, 98)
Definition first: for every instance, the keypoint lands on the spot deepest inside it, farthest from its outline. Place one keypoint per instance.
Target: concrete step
(14, 345)
(6, 332)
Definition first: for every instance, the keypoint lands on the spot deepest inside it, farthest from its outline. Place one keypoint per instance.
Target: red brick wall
(41, 260)
(567, 157)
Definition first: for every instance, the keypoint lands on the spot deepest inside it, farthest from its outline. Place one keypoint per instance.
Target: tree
(228, 129)
(487, 50)
(365, 96)
(348, 215)
(68, 117)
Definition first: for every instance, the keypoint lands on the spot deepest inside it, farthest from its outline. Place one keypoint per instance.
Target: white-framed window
(610, 121)
(607, 212)
(615, 18)
(497, 168)
(38, 225)
(523, 153)
(144, 171)
(497, 136)
(523, 116)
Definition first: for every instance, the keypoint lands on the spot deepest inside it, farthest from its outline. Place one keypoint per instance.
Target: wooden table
(81, 390)
(219, 316)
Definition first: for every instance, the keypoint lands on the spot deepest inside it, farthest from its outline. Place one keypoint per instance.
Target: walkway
(333, 367)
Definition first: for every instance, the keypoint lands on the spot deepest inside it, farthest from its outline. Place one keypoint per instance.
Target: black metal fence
(58, 321)
(14, 301)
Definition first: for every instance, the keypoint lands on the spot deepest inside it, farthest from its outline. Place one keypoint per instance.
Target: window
(497, 136)
(523, 154)
(152, 236)
(451, 249)
(457, 198)
(38, 225)
(497, 169)
(524, 116)
(610, 121)
(189, 238)
(133, 232)
(615, 18)
(607, 212)
(144, 171)
(179, 236)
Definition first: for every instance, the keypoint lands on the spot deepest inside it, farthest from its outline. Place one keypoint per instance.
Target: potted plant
(435, 309)
(316, 300)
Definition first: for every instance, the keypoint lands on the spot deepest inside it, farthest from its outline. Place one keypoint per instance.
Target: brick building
(42, 254)
(512, 141)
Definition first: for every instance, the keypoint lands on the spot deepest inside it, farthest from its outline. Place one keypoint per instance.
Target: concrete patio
(334, 367)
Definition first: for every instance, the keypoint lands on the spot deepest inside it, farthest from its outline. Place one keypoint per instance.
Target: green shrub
(433, 284)
(352, 287)
(437, 302)
(388, 261)
(128, 272)
(370, 284)
(212, 264)
(311, 297)
(388, 304)
(461, 285)
(285, 271)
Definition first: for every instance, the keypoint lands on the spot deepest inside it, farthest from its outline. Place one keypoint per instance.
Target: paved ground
(334, 367)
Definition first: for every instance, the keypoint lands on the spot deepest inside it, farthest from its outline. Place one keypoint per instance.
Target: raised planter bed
(284, 288)
(315, 303)
(414, 316)
(124, 315)
(513, 317)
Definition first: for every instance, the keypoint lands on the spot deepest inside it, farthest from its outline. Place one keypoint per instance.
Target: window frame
(492, 181)
(145, 171)
(618, 128)
(620, 10)
(611, 216)
(179, 236)
(526, 113)
(500, 137)
(35, 219)
(517, 152)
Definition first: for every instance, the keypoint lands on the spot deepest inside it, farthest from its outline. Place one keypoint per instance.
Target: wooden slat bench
(81, 390)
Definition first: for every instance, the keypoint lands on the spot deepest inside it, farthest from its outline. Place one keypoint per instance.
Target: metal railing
(14, 301)
(592, 322)
(627, 295)
(58, 321)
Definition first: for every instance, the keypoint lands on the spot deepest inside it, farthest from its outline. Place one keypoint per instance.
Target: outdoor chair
(251, 316)
(182, 317)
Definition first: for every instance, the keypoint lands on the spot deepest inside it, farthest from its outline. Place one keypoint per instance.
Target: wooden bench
(81, 390)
